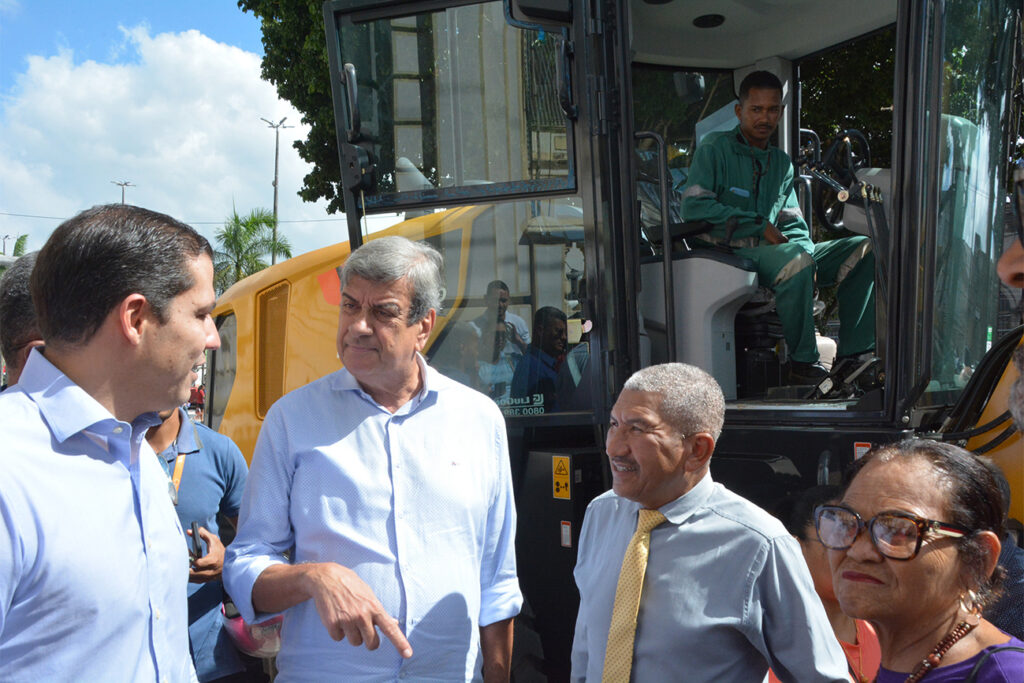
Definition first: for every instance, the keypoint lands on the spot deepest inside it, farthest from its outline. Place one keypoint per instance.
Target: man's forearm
(719, 214)
(496, 646)
(347, 606)
(279, 587)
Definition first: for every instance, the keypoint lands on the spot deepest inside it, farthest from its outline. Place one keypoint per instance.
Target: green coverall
(736, 188)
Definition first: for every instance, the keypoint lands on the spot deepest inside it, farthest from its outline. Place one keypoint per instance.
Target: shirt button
(118, 430)
(163, 680)
(156, 612)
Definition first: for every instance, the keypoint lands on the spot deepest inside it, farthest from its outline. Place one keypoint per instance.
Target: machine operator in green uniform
(744, 188)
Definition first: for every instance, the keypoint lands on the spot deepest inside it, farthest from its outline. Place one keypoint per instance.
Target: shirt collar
(432, 380)
(188, 436)
(67, 408)
(680, 509)
(745, 147)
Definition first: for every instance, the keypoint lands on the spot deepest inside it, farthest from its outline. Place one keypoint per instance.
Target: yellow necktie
(618, 655)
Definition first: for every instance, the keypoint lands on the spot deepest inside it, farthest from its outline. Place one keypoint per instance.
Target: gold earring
(970, 602)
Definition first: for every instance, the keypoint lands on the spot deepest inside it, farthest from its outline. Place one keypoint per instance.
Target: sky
(164, 95)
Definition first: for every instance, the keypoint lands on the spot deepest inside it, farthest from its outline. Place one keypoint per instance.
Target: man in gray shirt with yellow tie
(679, 578)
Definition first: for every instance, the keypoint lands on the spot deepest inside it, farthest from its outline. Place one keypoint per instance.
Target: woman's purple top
(1002, 666)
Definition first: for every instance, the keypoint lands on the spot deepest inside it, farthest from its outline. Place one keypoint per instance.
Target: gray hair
(691, 400)
(18, 324)
(392, 258)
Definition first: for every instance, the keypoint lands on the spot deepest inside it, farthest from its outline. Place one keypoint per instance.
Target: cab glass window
(975, 76)
(682, 106)
(458, 104)
(515, 325)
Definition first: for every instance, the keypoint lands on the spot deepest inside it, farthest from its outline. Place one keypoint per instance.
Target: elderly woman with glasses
(913, 545)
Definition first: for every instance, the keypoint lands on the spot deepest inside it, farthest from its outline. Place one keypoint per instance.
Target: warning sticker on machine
(860, 448)
(560, 476)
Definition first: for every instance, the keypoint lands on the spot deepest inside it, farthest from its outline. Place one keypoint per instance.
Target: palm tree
(242, 244)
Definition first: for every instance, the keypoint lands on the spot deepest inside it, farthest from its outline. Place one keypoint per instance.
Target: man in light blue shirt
(504, 337)
(389, 485)
(726, 591)
(93, 566)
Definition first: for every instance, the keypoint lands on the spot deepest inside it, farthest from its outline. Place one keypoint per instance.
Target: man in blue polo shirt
(207, 473)
(537, 372)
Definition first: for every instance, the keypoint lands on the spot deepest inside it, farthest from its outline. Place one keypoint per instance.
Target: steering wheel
(847, 154)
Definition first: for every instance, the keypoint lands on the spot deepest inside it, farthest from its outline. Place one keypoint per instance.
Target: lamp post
(123, 184)
(277, 150)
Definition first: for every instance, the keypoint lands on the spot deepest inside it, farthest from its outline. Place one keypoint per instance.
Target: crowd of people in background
(379, 508)
(511, 362)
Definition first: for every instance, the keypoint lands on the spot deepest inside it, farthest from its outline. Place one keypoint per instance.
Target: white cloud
(178, 116)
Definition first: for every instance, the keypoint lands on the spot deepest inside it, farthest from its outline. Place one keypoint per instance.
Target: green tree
(242, 244)
(295, 61)
(19, 249)
(852, 87)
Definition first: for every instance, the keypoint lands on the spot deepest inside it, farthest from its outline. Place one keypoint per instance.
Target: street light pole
(123, 184)
(277, 151)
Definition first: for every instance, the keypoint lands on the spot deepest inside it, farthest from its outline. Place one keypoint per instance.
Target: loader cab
(578, 134)
(846, 127)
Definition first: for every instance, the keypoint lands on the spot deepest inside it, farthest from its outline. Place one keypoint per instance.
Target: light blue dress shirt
(726, 593)
(417, 503)
(93, 565)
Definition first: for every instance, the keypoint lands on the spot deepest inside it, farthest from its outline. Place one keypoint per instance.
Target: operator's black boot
(806, 373)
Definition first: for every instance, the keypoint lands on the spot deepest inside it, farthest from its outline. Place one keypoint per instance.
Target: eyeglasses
(896, 535)
(1018, 200)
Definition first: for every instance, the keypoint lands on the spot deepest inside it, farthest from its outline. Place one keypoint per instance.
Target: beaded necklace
(940, 650)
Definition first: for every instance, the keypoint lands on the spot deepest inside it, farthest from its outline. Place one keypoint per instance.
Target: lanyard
(173, 480)
(179, 465)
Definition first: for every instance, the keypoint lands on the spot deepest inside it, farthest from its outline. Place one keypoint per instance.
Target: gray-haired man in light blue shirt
(379, 505)
(726, 592)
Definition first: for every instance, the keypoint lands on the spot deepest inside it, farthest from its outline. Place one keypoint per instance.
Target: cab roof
(752, 29)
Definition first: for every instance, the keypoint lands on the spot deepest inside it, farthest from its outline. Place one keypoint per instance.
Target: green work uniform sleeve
(709, 196)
